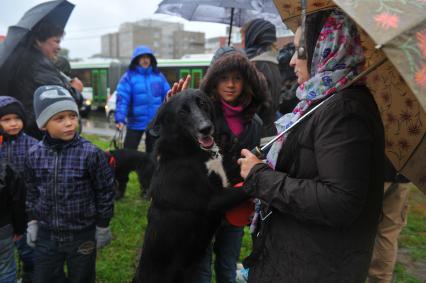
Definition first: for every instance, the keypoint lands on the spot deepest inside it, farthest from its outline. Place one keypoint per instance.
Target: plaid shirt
(14, 149)
(71, 187)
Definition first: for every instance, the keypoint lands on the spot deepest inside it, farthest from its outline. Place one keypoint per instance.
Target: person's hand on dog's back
(178, 87)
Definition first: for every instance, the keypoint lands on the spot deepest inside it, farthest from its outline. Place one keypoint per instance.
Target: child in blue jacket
(13, 148)
(70, 198)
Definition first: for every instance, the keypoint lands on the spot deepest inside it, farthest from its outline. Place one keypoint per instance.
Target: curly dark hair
(254, 93)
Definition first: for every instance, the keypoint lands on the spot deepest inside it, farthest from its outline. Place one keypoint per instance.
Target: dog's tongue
(206, 142)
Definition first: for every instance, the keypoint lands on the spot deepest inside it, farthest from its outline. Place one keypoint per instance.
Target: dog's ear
(154, 127)
(208, 104)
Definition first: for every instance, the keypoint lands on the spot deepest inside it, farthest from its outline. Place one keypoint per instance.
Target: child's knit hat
(50, 100)
(9, 105)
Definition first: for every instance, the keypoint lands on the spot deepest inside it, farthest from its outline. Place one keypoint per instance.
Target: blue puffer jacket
(140, 92)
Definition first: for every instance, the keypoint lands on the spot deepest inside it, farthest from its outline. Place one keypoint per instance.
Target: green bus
(101, 76)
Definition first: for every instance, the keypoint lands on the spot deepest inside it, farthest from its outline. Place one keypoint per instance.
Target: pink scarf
(233, 117)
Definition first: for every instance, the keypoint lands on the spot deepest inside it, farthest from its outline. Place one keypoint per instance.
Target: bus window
(99, 84)
(196, 76)
(84, 75)
(183, 73)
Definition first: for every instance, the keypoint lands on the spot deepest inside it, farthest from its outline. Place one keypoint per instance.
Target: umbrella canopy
(56, 12)
(393, 35)
(232, 12)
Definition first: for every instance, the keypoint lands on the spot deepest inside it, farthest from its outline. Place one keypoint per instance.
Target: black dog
(125, 161)
(187, 189)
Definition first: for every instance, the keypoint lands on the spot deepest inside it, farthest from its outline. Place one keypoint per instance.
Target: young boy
(70, 201)
(13, 149)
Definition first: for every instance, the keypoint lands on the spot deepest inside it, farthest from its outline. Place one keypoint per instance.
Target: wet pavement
(97, 124)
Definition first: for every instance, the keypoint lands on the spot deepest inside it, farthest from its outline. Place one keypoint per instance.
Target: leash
(117, 140)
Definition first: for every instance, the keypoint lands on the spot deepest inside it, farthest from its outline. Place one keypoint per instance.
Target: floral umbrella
(393, 34)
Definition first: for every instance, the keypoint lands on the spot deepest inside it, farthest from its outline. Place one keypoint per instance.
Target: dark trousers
(79, 255)
(132, 140)
(226, 246)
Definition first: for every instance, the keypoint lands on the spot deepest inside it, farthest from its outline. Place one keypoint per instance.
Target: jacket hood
(7, 100)
(10, 105)
(141, 50)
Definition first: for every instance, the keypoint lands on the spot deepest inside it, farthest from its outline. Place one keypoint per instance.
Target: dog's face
(189, 113)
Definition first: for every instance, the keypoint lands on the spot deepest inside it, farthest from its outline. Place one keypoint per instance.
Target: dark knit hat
(9, 105)
(50, 100)
(259, 35)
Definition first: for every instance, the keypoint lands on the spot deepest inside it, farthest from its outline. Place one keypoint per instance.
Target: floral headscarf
(338, 58)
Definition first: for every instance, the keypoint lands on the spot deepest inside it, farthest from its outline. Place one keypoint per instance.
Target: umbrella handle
(258, 152)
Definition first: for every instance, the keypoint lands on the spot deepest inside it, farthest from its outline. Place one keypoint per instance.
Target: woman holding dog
(323, 186)
(237, 90)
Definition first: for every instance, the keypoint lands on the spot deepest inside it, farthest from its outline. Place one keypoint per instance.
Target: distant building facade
(167, 39)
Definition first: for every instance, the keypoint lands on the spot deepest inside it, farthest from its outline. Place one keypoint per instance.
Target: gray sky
(92, 18)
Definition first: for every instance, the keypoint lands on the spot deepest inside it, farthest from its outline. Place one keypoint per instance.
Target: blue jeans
(7, 261)
(79, 255)
(226, 246)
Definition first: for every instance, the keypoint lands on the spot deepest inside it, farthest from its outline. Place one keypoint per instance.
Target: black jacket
(33, 70)
(12, 198)
(325, 195)
(231, 145)
(267, 64)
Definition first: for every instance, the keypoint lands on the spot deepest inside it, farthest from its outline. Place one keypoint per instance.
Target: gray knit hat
(50, 100)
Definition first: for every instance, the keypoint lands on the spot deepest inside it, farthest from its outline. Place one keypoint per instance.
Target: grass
(117, 262)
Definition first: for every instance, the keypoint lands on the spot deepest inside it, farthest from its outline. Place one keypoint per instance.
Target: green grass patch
(402, 276)
(413, 236)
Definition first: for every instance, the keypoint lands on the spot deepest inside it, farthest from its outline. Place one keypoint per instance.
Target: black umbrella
(56, 12)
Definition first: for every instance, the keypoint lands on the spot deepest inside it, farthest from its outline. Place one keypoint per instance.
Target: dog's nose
(206, 129)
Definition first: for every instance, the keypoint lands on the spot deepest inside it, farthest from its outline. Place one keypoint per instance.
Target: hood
(6, 100)
(141, 50)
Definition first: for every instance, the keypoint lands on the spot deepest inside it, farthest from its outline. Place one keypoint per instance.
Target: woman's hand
(178, 87)
(119, 126)
(77, 84)
(247, 162)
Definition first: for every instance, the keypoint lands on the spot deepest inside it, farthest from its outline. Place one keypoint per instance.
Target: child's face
(230, 86)
(62, 125)
(11, 124)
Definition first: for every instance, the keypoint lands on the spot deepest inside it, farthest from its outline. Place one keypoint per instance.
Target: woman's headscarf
(338, 58)
(259, 37)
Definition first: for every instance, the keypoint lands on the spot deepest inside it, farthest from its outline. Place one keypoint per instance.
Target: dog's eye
(183, 111)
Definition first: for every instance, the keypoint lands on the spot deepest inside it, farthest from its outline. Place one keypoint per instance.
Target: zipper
(55, 187)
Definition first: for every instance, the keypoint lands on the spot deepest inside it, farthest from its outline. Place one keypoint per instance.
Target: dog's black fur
(188, 199)
(129, 160)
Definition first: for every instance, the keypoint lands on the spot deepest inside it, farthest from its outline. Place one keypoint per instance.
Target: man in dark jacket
(35, 68)
(258, 39)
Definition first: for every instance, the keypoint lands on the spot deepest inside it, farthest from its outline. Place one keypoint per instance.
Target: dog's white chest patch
(215, 165)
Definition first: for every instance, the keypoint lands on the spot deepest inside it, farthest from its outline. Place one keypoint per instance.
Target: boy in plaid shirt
(70, 199)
